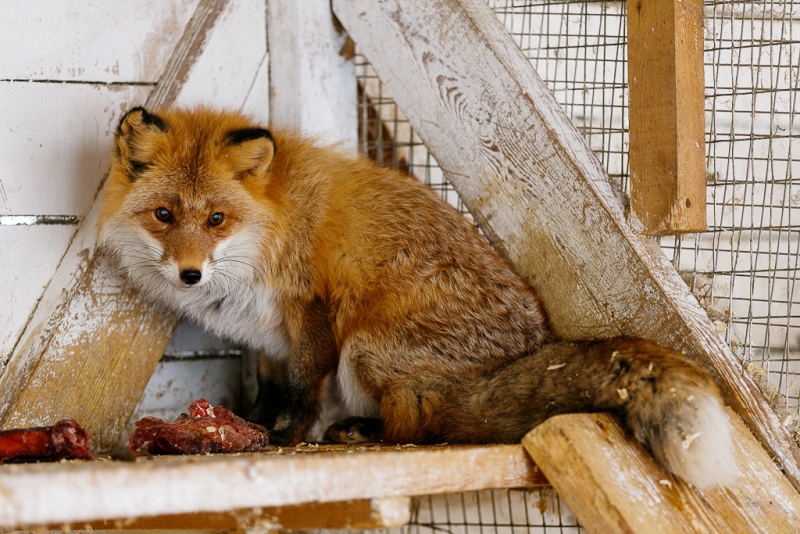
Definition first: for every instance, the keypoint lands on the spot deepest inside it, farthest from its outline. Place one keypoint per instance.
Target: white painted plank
(257, 103)
(538, 191)
(56, 141)
(75, 492)
(108, 41)
(28, 257)
(234, 50)
(312, 86)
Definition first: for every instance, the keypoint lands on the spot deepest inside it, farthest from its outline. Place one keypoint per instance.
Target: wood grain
(387, 512)
(667, 115)
(537, 190)
(78, 492)
(613, 485)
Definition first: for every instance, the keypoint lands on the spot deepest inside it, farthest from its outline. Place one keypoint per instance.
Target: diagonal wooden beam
(591, 460)
(75, 493)
(538, 191)
(92, 343)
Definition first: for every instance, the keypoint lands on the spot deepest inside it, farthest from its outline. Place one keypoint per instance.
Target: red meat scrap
(65, 440)
(205, 430)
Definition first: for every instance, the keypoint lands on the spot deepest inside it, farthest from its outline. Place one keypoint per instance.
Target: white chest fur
(250, 317)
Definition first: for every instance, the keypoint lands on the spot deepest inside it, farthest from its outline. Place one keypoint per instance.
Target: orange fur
(341, 268)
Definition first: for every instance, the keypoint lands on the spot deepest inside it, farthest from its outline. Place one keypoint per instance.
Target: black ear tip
(148, 119)
(237, 137)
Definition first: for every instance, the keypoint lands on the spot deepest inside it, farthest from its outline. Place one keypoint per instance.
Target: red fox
(339, 268)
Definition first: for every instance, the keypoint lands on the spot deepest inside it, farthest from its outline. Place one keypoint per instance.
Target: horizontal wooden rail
(76, 493)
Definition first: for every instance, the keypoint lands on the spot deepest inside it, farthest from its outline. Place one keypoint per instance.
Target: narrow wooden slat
(388, 512)
(613, 485)
(312, 82)
(93, 342)
(537, 190)
(78, 492)
(667, 117)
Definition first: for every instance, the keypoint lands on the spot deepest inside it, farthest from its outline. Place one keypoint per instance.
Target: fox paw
(354, 430)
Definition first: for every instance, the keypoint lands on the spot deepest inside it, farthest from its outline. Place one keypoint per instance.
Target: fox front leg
(313, 356)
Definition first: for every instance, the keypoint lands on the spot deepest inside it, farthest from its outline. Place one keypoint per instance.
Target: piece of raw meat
(64, 440)
(205, 430)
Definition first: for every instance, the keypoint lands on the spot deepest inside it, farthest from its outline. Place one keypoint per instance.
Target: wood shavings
(623, 393)
(665, 482)
(554, 367)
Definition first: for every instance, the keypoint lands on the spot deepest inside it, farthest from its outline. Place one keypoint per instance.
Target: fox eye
(215, 219)
(163, 215)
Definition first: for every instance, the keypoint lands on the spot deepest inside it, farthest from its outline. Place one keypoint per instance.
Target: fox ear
(249, 150)
(135, 139)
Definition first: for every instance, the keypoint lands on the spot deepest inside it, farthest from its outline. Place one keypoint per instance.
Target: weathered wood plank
(78, 492)
(613, 485)
(55, 143)
(113, 41)
(387, 512)
(93, 342)
(667, 115)
(312, 85)
(235, 47)
(537, 190)
(187, 52)
(25, 276)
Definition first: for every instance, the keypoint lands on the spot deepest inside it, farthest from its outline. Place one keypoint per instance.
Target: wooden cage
(83, 344)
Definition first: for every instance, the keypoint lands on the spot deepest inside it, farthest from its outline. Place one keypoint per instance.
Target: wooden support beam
(537, 190)
(387, 512)
(77, 492)
(613, 485)
(667, 115)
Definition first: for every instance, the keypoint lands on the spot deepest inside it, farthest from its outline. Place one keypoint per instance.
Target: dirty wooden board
(92, 343)
(114, 41)
(77, 492)
(386, 512)
(613, 485)
(667, 115)
(537, 190)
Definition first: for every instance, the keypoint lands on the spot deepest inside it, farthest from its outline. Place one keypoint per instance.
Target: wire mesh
(743, 270)
(516, 511)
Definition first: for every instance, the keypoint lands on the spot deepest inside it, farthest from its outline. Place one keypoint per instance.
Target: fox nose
(191, 276)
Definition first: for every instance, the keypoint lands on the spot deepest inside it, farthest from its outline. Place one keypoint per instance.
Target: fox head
(185, 208)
